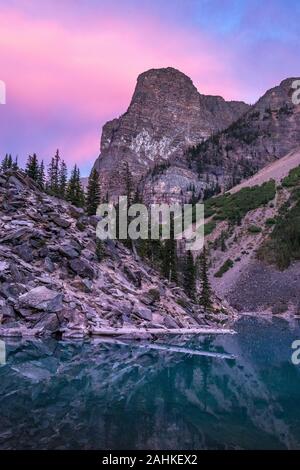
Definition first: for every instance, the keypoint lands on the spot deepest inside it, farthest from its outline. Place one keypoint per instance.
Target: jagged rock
(25, 252)
(133, 276)
(89, 255)
(11, 289)
(81, 267)
(142, 312)
(68, 251)
(3, 267)
(48, 322)
(93, 220)
(6, 312)
(76, 212)
(84, 285)
(61, 221)
(13, 180)
(48, 265)
(42, 298)
(169, 322)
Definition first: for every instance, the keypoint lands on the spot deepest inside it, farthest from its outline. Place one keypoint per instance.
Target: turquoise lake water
(98, 395)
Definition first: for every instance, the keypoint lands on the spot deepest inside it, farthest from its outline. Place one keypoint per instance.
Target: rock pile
(51, 281)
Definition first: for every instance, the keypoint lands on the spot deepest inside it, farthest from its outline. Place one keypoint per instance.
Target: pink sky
(65, 78)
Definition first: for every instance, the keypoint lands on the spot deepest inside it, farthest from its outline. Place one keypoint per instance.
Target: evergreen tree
(205, 296)
(223, 243)
(93, 196)
(53, 175)
(75, 193)
(32, 167)
(100, 249)
(15, 165)
(169, 266)
(189, 275)
(7, 163)
(41, 176)
(62, 179)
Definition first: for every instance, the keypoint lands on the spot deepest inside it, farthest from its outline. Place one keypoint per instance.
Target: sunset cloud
(67, 73)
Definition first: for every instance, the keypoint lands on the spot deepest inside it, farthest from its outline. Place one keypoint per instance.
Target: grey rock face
(142, 312)
(166, 115)
(266, 132)
(42, 298)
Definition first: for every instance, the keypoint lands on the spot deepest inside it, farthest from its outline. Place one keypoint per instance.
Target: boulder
(85, 285)
(49, 322)
(81, 267)
(135, 277)
(25, 252)
(68, 251)
(3, 267)
(48, 265)
(142, 312)
(76, 212)
(61, 221)
(169, 322)
(42, 298)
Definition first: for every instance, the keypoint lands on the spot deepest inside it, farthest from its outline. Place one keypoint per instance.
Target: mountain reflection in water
(102, 395)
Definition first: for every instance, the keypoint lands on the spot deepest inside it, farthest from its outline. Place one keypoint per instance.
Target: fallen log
(135, 332)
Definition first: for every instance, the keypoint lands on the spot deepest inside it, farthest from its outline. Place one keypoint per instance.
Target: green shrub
(292, 179)
(271, 221)
(209, 227)
(254, 229)
(224, 268)
(283, 246)
(233, 207)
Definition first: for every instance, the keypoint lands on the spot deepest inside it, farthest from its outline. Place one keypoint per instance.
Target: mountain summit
(166, 115)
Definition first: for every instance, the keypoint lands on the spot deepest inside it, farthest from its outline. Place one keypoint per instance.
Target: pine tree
(205, 296)
(7, 163)
(169, 266)
(41, 176)
(75, 193)
(189, 275)
(100, 249)
(32, 167)
(53, 175)
(93, 196)
(62, 179)
(15, 165)
(223, 243)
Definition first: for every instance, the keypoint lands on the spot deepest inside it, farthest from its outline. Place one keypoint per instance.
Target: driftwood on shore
(135, 332)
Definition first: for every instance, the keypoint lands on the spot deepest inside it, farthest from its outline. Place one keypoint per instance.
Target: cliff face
(266, 132)
(166, 116)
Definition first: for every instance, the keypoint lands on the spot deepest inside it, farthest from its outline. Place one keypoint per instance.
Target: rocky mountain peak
(166, 115)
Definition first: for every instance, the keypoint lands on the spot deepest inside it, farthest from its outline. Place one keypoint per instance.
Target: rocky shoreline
(53, 283)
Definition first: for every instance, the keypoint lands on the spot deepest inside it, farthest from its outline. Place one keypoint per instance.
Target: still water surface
(97, 395)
